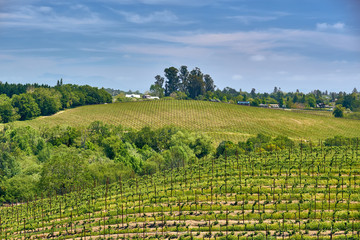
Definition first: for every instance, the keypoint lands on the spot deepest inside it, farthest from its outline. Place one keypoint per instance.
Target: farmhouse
(320, 105)
(274, 105)
(150, 97)
(132, 95)
(243, 103)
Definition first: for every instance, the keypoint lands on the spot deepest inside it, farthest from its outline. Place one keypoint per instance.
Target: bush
(339, 111)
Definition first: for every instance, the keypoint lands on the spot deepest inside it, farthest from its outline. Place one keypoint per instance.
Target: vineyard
(302, 193)
(220, 121)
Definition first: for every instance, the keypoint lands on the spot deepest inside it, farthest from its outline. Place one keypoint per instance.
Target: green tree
(311, 100)
(26, 106)
(159, 81)
(338, 111)
(196, 83)
(157, 90)
(253, 93)
(177, 156)
(67, 168)
(48, 100)
(9, 167)
(184, 79)
(209, 83)
(172, 83)
(7, 111)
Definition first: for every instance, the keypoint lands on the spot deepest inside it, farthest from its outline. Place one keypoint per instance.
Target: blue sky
(123, 44)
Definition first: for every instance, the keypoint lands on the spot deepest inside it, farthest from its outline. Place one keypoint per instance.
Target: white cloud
(257, 58)
(162, 16)
(47, 18)
(327, 26)
(255, 42)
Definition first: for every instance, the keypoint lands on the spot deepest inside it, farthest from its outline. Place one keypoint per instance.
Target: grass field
(220, 120)
(295, 194)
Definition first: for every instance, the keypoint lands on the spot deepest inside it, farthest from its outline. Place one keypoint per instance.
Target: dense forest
(26, 101)
(184, 84)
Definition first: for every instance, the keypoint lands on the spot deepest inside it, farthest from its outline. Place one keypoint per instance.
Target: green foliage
(261, 140)
(29, 101)
(350, 101)
(283, 142)
(339, 111)
(183, 83)
(21, 187)
(227, 148)
(172, 83)
(66, 168)
(61, 135)
(157, 90)
(60, 158)
(341, 141)
(177, 156)
(196, 85)
(103, 169)
(48, 100)
(304, 193)
(7, 111)
(9, 167)
(311, 100)
(259, 143)
(26, 106)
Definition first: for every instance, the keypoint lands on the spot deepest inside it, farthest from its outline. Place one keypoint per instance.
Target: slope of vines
(299, 194)
(221, 121)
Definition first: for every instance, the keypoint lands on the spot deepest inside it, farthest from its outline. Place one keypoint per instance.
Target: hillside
(219, 120)
(299, 194)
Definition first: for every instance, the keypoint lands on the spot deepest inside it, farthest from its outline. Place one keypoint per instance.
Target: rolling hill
(220, 120)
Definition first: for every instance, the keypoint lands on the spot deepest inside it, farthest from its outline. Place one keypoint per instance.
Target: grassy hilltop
(219, 120)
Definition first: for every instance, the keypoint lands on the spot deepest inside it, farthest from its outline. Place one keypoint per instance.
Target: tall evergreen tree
(209, 83)
(159, 81)
(184, 79)
(196, 83)
(172, 83)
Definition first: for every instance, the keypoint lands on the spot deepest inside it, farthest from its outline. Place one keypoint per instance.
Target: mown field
(220, 120)
(292, 194)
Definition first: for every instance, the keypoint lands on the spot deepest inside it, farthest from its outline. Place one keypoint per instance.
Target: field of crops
(311, 193)
(219, 120)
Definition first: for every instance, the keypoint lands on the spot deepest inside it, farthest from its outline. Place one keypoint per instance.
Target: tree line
(56, 159)
(35, 162)
(179, 83)
(183, 83)
(26, 101)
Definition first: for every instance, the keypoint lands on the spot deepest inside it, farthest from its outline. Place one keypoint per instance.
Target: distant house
(132, 95)
(243, 103)
(150, 97)
(320, 105)
(274, 105)
(263, 105)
